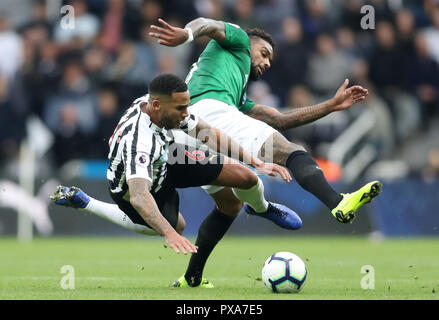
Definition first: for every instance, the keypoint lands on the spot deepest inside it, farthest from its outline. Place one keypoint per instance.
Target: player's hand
(179, 243)
(346, 97)
(168, 35)
(272, 169)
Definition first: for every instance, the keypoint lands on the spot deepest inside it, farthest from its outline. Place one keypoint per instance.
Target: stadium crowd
(78, 81)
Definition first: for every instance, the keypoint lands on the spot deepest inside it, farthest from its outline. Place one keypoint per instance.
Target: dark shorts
(200, 168)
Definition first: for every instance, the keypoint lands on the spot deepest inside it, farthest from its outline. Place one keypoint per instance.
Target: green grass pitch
(142, 268)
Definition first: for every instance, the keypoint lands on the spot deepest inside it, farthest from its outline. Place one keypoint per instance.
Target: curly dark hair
(259, 33)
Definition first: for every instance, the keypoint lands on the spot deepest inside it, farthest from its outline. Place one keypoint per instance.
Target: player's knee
(248, 179)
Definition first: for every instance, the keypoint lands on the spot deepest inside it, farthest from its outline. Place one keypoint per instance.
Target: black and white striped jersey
(139, 148)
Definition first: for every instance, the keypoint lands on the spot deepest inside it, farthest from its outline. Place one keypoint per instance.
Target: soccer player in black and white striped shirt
(142, 180)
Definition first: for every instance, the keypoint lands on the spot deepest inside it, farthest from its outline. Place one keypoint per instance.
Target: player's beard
(254, 75)
(167, 122)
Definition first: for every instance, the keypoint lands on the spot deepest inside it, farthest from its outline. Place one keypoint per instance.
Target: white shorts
(250, 133)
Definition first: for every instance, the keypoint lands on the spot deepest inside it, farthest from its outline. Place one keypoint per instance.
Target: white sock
(112, 213)
(253, 196)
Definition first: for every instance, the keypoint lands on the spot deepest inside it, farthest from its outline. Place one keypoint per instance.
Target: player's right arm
(144, 203)
(173, 36)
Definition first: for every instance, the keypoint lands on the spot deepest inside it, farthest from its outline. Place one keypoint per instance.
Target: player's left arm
(344, 98)
(222, 143)
(172, 36)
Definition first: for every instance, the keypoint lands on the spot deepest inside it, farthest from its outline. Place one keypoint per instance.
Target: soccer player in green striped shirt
(217, 84)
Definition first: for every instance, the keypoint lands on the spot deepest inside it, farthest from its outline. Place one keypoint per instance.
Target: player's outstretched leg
(310, 177)
(345, 210)
(73, 197)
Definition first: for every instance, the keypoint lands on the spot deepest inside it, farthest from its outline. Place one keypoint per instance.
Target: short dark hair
(166, 84)
(259, 33)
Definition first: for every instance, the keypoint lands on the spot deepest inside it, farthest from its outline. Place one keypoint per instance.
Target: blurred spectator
(260, 93)
(132, 21)
(71, 113)
(382, 136)
(213, 9)
(42, 73)
(422, 78)
(183, 9)
(38, 29)
(18, 12)
(384, 9)
(11, 48)
(86, 27)
(129, 67)
(388, 69)
(387, 61)
(360, 72)
(290, 61)
(70, 141)
(346, 41)
(95, 61)
(39, 15)
(327, 67)
(242, 14)
(432, 36)
(41, 70)
(278, 11)
(405, 30)
(109, 115)
(111, 31)
(315, 19)
(151, 10)
(351, 14)
(13, 110)
(299, 96)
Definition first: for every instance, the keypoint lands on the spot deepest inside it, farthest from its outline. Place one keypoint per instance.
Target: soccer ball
(284, 272)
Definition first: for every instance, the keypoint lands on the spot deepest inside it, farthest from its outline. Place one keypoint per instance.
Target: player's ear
(156, 104)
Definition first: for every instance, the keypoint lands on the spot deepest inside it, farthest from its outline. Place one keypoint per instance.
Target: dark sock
(210, 233)
(310, 177)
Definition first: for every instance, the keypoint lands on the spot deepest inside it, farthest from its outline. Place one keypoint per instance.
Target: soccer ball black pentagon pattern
(287, 276)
